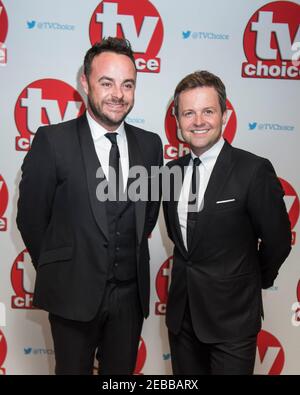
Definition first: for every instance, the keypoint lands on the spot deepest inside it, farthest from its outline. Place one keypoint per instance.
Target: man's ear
(224, 117)
(179, 133)
(84, 83)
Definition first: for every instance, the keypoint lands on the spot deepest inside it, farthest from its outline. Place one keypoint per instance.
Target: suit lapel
(135, 159)
(173, 204)
(218, 179)
(91, 164)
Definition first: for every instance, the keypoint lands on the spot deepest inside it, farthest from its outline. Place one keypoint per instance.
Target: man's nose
(117, 92)
(198, 120)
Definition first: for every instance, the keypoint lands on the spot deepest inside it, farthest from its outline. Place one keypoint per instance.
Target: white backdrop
(42, 45)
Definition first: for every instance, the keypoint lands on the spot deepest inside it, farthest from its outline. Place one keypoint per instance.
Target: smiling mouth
(199, 132)
(116, 105)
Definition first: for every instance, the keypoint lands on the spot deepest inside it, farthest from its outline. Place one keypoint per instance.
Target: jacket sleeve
(153, 206)
(167, 196)
(167, 222)
(36, 193)
(270, 220)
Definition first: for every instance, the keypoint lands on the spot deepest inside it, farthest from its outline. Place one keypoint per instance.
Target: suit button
(117, 248)
(116, 264)
(118, 233)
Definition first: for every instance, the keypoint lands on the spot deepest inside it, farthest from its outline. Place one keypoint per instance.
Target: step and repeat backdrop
(253, 45)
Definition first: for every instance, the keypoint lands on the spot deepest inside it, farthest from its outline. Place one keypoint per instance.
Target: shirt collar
(99, 131)
(209, 157)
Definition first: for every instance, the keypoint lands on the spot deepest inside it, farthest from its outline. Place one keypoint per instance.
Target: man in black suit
(91, 255)
(231, 233)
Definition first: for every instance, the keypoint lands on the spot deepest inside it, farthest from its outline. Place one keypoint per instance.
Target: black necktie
(193, 201)
(114, 166)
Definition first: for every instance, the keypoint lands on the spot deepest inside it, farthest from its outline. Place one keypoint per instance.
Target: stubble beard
(105, 120)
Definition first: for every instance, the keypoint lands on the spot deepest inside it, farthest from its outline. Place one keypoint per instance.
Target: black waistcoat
(122, 240)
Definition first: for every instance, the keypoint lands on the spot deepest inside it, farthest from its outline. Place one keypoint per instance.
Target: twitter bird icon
(186, 34)
(30, 24)
(252, 125)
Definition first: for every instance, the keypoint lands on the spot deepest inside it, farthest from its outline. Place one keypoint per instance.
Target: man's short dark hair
(117, 45)
(201, 79)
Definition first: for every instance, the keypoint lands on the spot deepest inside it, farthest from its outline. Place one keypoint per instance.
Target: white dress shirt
(103, 146)
(208, 160)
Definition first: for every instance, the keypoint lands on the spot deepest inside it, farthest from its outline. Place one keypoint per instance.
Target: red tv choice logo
(44, 102)
(22, 277)
(3, 34)
(292, 205)
(269, 39)
(3, 352)
(177, 146)
(270, 354)
(162, 283)
(137, 21)
(141, 357)
(296, 308)
(3, 203)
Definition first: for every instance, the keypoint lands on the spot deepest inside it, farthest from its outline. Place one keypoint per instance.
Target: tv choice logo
(162, 284)
(271, 38)
(141, 357)
(296, 54)
(177, 146)
(3, 23)
(22, 278)
(296, 308)
(292, 205)
(137, 21)
(3, 54)
(3, 204)
(270, 357)
(43, 102)
(3, 34)
(295, 314)
(3, 352)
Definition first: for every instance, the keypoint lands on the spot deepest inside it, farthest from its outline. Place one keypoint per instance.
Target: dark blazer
(63, 225)
(224, 271)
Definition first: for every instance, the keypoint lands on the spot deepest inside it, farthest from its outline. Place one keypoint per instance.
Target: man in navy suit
(231, 233)
(91, 255)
